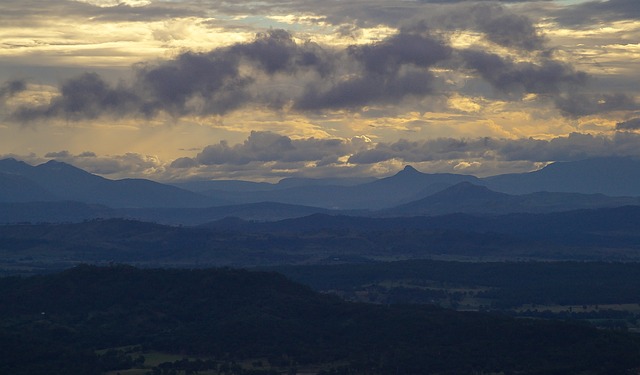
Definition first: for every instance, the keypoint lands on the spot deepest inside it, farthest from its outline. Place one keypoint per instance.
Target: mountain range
(56, 191)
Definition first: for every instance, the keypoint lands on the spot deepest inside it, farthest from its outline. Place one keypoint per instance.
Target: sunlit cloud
(142, 82)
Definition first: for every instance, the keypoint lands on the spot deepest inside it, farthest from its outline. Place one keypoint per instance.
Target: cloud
(388, 72)
(579, 104)
(575, 146)
(58, 154)
(508, 76)
(114, 166)
(183, 163)
(496, 22)
(19, 11)
(229, 78)
(271, 147)
(281, 73)
(87, 96)
(595, 12)
(191, 84)
(632, 124)
(11, 88)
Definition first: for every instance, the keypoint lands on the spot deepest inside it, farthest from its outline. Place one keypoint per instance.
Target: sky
(263, 90)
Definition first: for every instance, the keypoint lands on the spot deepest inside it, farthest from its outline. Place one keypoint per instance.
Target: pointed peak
(13, 165)
(12, 161)
(55, 164)
(62, 167)
(409, 169)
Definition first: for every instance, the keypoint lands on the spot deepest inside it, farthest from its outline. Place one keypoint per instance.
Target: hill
(474, 199)
(592, 182)
(57, 181)
(608, 234)
(226, 314)
(614, 176)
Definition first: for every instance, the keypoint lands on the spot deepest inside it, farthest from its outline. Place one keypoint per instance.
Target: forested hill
(52, 324)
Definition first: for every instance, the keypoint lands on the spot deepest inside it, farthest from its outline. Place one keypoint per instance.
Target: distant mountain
(52, 212)
(406, 185)
(473, 199)
(214, 186)
(74, 212)
(262, 211)
(614, 176)
(201, 186)
(57, 181)
(16, 188)
(290, 182)
(609, 234)
(409, 190)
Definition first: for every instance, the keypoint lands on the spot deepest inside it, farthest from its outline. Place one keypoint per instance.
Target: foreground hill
(54, 324)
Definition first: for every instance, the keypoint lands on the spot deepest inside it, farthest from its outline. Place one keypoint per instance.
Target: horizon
(183, 90)
(273, 182)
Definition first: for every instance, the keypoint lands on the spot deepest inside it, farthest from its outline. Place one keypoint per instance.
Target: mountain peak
(54, 165)
(410, 169)
(11, 165)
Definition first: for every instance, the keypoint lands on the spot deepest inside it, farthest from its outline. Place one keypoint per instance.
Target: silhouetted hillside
(406, 185)
(473, 199)
(16, 188)
(235, 314)
(614, 176)
(414, 190)
(603, 234)
(63, 182)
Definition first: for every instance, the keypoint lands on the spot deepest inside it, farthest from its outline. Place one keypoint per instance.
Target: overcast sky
(261, 90)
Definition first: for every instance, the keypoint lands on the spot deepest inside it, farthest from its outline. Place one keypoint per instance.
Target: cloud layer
(446, 83)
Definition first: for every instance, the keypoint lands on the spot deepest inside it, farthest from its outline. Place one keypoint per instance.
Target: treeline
(506, 284)
(53, 321)
(321, 239)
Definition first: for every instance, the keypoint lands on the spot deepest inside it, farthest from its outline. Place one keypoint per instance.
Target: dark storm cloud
(366, 89)
(11, 88)
(184, 163)
(271, 147)
(546, 77)
(633, 124)
(577, 104)
(212, 83)
(193, 83)
(275, 71)
(85, 97)
(275, 51)
(575, 146)
(594, 12)
(498, 24)
(213, 77)
(391, 70)
(404, 48)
